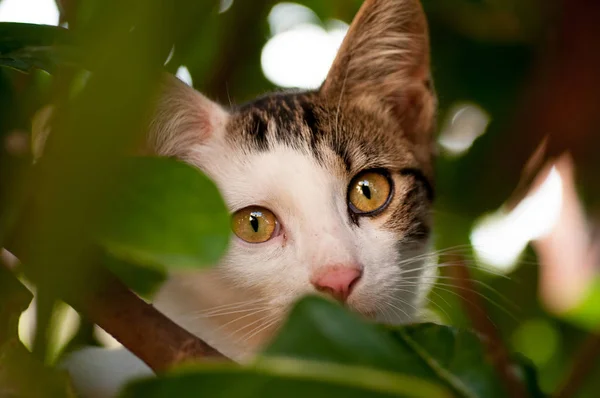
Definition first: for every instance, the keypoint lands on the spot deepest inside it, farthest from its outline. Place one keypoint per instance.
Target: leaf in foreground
(587, 313)
(278, 377)
(321, 330)
(18, 367)
(15, 299)
(27, 46)
(21, 375)
(166, 213)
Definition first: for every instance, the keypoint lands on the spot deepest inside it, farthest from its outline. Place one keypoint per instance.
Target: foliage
(88, 205)
(166, 214)
(322, 346)
(17, 366)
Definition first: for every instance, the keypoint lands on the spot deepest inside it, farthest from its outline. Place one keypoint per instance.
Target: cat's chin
(365, 312)
(369, 315)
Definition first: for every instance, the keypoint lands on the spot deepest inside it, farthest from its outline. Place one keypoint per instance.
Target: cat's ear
(384, 62)
(182, 118)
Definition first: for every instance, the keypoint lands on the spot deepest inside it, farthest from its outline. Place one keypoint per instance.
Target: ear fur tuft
(182, 117)
(384, 60)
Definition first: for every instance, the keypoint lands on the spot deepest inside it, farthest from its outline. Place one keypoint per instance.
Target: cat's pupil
(254, 222)
(365, 189)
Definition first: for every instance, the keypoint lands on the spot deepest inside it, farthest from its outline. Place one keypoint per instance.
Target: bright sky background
(32, 11)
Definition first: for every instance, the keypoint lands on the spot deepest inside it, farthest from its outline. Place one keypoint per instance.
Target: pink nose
(337, 281)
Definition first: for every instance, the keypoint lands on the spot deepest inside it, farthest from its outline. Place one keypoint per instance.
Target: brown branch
(141, 328)
(584, 363)
(475, 309)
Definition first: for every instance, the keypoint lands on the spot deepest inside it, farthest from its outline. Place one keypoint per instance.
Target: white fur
(101, 372)
(310, 202)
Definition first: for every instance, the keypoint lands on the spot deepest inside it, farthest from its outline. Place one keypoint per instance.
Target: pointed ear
(384, 61)
(182, 118)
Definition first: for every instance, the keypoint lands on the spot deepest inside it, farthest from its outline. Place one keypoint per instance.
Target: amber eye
(254, 224)
(369, 192)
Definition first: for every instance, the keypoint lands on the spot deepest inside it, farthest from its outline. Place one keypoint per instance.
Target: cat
(330, 190)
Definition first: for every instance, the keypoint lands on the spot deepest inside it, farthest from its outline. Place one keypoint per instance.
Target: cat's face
(315, 192)
(330, 191)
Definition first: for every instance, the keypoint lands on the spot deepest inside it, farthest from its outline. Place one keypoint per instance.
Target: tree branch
(141, 328)
(475, 310)
(584, 363)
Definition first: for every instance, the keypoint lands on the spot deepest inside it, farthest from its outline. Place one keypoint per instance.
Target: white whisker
(261, 329)
(224, 313)
(451, 291)
(241, 317)
(231, 306)
(475, 281)
(260, 321)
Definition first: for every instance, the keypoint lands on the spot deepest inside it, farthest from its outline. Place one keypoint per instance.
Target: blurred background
(518, 179)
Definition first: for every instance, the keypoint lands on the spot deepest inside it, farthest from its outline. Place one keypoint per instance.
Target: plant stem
(475, 310)
(141, 328)
(585, 361)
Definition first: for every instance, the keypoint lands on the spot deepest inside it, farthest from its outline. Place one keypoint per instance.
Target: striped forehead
(279, 119)
(304, 122)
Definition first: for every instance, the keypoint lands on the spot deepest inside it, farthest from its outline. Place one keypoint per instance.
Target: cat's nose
(337, 280)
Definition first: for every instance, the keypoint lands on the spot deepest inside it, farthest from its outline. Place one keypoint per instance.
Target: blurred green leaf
(336, 335)
(334, 9)
(21, 375)
(456, 356)
(278, 377)
(528, 373)
(15, 299)
(18, 367)
(166, 213)
(321, 330)
(27, 46)
(143, 280)
(587, 313)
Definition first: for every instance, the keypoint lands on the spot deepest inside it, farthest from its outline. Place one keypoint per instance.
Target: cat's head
(330, 190)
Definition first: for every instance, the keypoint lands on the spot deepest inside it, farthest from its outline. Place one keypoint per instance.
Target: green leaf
(21, 375)
(457, 357)
(587, 313)
(338, 9)
(15, 299)
(18, 367)
(27, 46)
(143, 280)
(528, 373)
(279, 377)
(166, 213)
(321, 330)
